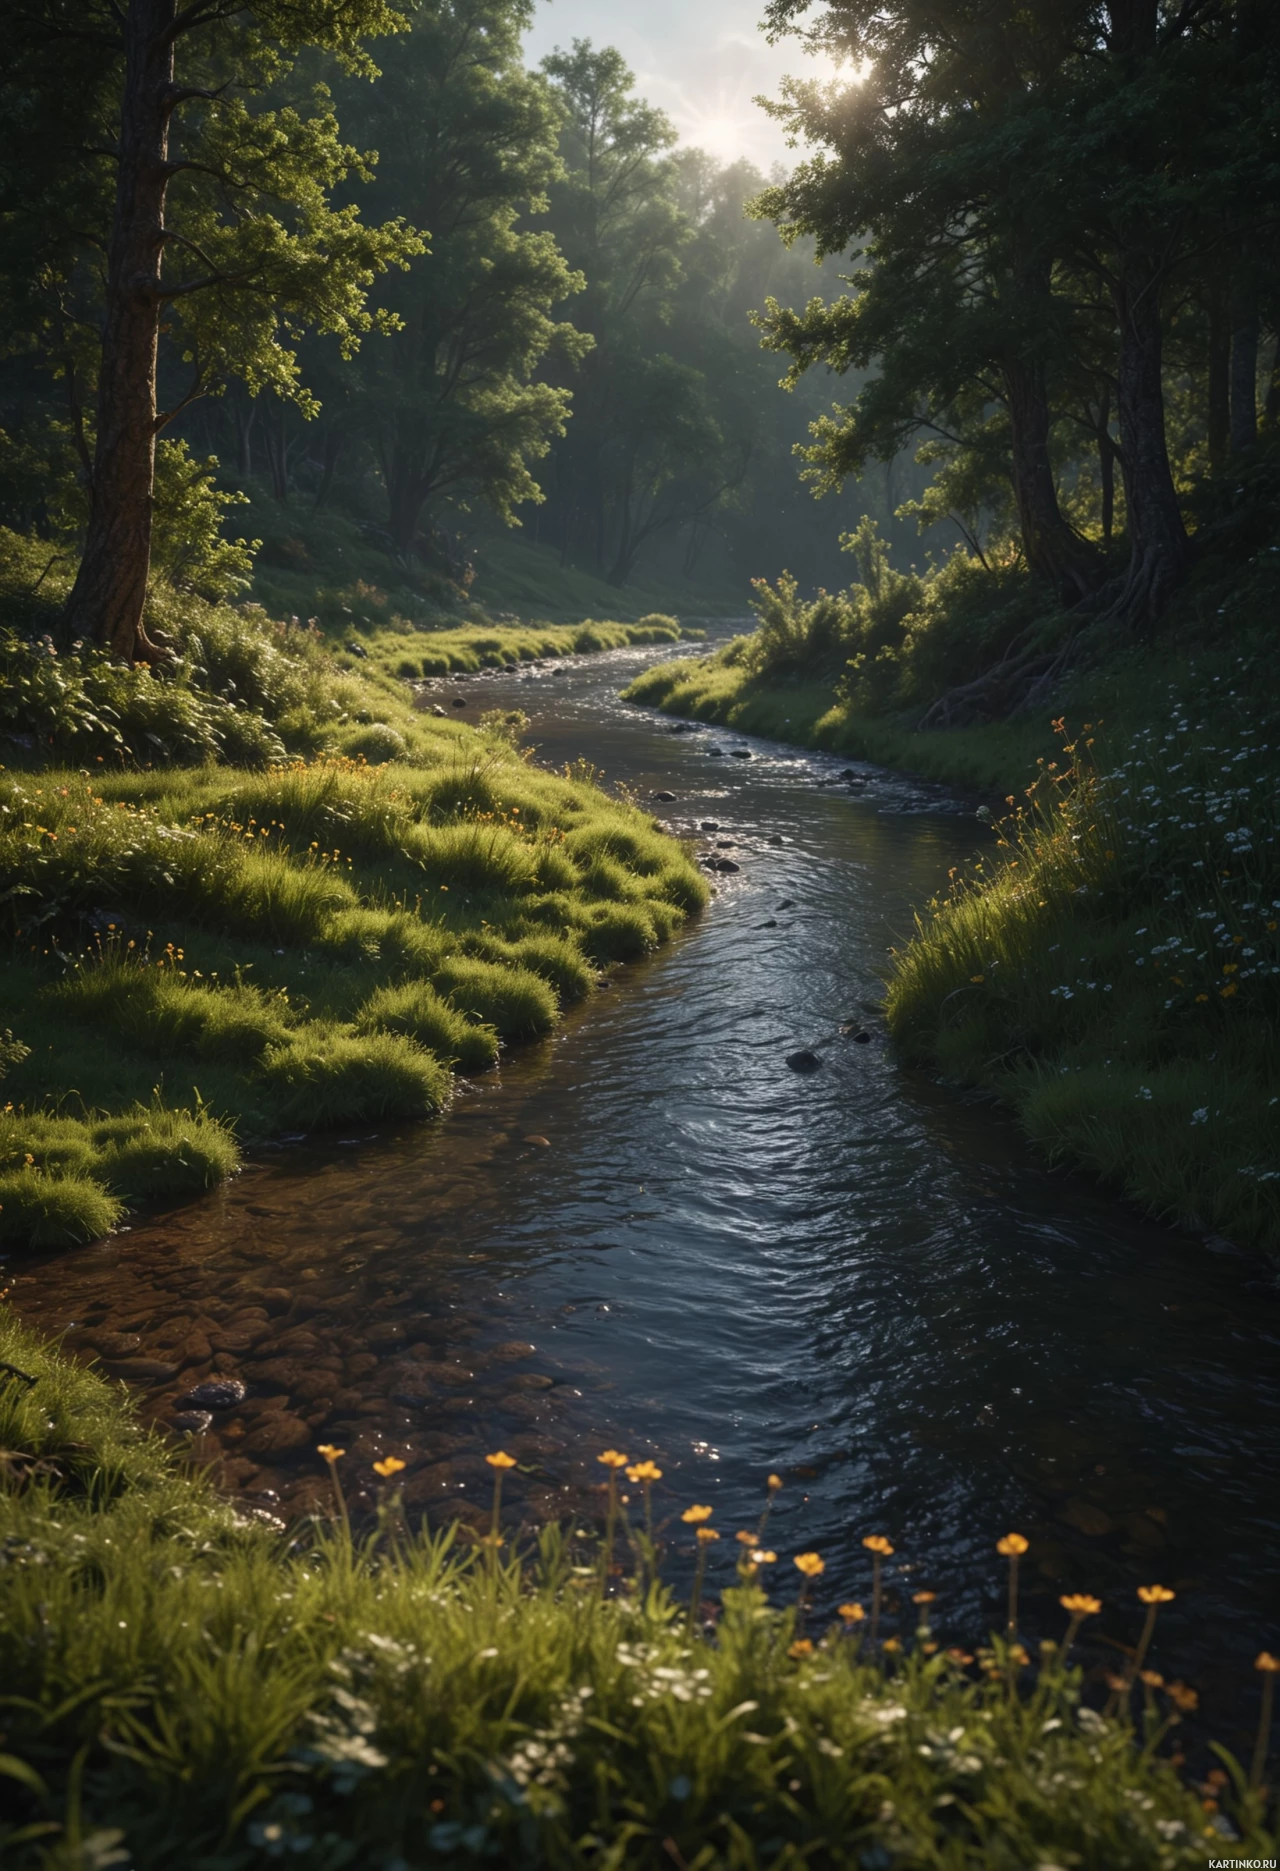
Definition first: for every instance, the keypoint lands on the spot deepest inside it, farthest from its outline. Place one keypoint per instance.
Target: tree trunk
(1245, 337)
(406, 497)
(106, 602)
(1157, 538)
(1054, 550)
(334, 443)
(1219, 378)
(1100, 421)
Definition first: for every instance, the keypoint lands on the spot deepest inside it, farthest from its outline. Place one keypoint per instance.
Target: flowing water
(650, 1233)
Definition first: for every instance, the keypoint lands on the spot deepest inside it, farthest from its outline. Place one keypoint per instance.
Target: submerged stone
(804, 1061)
(220, 1393)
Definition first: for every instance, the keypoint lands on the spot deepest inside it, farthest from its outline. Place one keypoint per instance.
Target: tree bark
(1157, 537)
(107, 600)
(1054, 550)
(1219, 378)
(1245, 338)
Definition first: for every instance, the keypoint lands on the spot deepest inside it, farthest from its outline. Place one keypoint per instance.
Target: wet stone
(214, 1394)
(804, 1061)
(142, 1370)
(513, 1348)
(277, 1434)
(194, 1422)
(530, 1380)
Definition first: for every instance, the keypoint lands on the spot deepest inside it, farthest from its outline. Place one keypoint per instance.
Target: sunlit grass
(213, 1693)
(215, 953)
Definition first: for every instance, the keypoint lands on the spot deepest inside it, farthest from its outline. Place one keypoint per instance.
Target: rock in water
(740, 753)
(665, 798)
(193, 1421)
(721, 864)
(803, 1061)
(217, 1393)
(709, 825)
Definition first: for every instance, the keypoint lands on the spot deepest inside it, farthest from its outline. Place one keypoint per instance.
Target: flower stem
(1259, 1761)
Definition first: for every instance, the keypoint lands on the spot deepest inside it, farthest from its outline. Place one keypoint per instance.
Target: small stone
(803, 1061)
(543, 1143)
(459, 701)
(859, 1036)
(277, 1434)
(786, 904)
(192, 1421)
(715, 753)
(740, 753)
(530, 1380)
(513, 1348)
(771, 924)
(142, 1370)
(665, 798)
(215, 1394)
(1086, 1518)
(709, 825)
(721, 864)
(436, 709)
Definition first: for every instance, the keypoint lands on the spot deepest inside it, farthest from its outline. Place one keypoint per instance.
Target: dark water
(855, 1278)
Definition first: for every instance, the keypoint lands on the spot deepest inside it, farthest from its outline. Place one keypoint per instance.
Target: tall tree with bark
(220, 236)
(930, 171)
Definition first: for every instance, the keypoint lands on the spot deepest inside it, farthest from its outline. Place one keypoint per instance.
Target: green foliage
(190, 508)
(181, 1676)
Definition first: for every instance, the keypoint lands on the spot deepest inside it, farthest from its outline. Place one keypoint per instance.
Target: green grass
(193, 1691)
(204, 950)
(400, 650)
(1100, 1013)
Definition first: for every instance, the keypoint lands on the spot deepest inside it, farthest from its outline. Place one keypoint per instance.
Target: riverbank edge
(172, 1663)
(1141, 1133)
(415, 894)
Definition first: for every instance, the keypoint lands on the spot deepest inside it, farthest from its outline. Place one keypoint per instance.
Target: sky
(702, 61)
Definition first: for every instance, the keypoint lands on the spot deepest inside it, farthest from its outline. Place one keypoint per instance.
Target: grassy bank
(1109, 962)
(185, 1689)
(398, 650)
(251, 894)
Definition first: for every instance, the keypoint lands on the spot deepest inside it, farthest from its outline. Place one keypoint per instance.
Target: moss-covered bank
(189, 1691)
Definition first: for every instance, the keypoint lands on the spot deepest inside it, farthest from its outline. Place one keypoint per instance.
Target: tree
(997, 166)
(467, 146)
(221, 234)
(930, 173)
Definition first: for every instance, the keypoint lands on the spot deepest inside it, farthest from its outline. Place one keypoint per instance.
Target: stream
(649, 1233)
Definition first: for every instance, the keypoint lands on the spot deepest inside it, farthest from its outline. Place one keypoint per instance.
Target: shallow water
(856, 1278)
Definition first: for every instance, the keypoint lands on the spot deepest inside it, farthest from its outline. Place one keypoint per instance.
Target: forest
(639, 1164)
